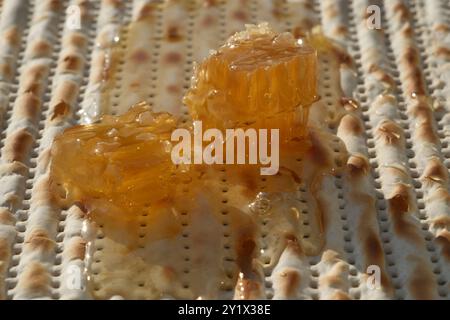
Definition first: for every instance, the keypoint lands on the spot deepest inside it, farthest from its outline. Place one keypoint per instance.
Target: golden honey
(258, 79)
(113, 163)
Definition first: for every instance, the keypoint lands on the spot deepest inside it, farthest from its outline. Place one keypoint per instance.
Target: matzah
(384, 94)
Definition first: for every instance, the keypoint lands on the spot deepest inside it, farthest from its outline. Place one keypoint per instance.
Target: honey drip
(165, 225)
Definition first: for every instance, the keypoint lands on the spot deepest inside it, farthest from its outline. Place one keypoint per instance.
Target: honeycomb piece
(112, 165)
(259, 79)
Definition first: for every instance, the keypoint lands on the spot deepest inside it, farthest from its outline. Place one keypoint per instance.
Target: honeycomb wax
(258, 79)
(119, 166)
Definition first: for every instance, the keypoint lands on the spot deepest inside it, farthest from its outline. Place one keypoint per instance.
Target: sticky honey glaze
(190, 231)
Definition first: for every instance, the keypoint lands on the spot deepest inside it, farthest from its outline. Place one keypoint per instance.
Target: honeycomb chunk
(259, 79)
(112, 165)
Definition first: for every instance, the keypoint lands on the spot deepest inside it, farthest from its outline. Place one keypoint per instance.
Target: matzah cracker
(398, 144)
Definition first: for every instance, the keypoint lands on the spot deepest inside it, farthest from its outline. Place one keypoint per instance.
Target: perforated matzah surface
(53, 76)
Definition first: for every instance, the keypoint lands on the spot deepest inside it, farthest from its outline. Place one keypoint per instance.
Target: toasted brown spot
(75, 39)
(245, 251)
(80, 209)
(331, 12)
(208, 21)
(41, 48)
(39, 240)
(442, 51)
(427, 132)
(435, 171)
(66, 90)
(11, 35)
(308, 5)
(6, 217)
(423, 114)
(390, 132)
(71, 62)
(421, 110)
(277, 12)
(173, 34)
(366, 14)
(84, 9)
(42, 193)
(115, 3)
(411, 56)
(210, 3)
(340, 295)
(340, 30)
(382, 75)
(383, 99)
(13, 168)
(33, 78)
(414, 82)
(27, 106)
(146, 12)
(6, 70)
(333, 278)
(247, 289)
(371, 240)
(402, 10)
(443, 239)
(76, 249)
(343, 56)
(35, 279)
(407, 31)
(422, 285)
(351, 125)
(172, 58)
(32, 87)
(60, 110)
(442, 27)
(330, 256)
(17, 146)
(5, 254)
(173, 89)
(318, 153)
(291, 279)
(134, 85)
(299, 32)
(140, 56)
(399, 208)
(441, 222)
(52, 5)
(293, 246)
(240, 15)
(43, 160)
(375, 254)
(357, 165)
(372, 246)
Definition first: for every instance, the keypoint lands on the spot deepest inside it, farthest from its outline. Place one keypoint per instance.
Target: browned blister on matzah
(423, 115)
